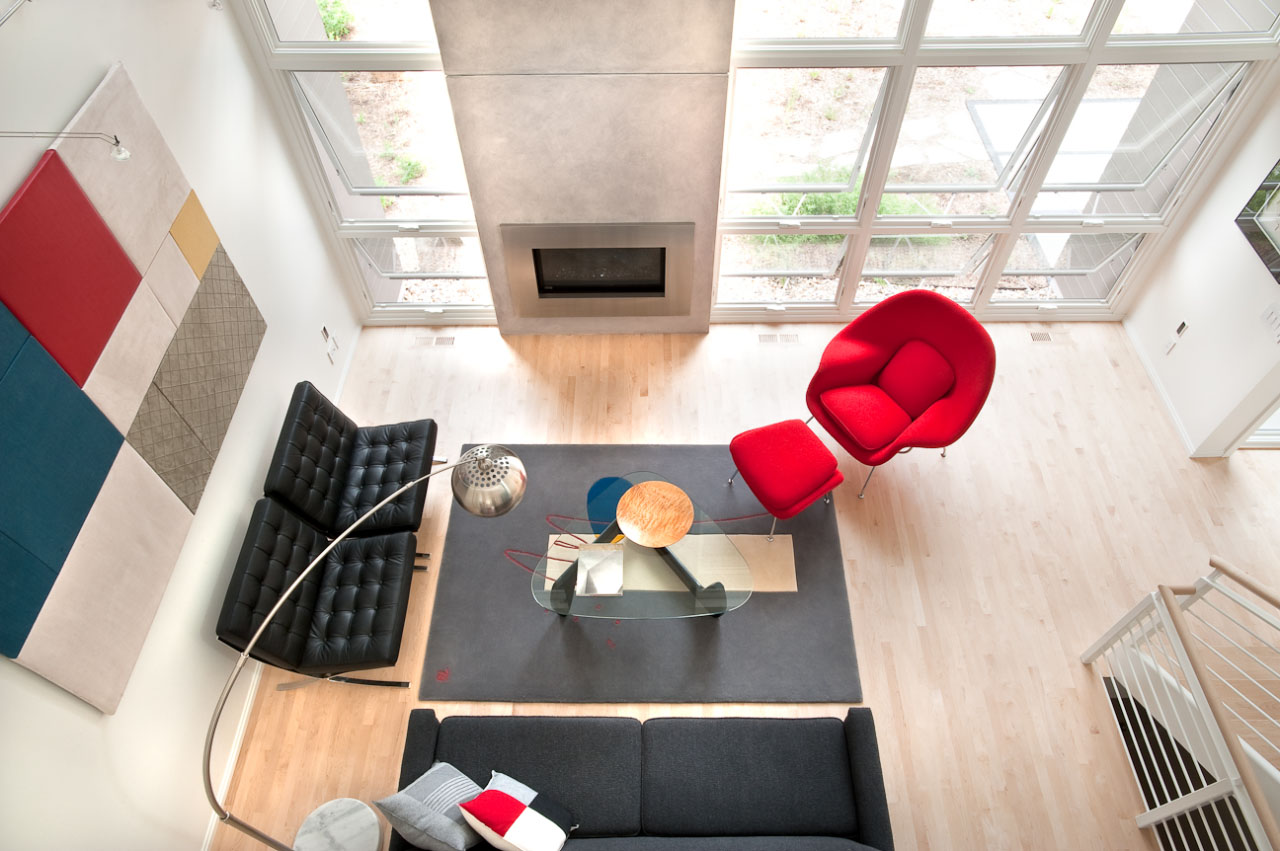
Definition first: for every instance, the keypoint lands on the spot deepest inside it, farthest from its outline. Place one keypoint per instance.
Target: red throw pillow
(509, 825)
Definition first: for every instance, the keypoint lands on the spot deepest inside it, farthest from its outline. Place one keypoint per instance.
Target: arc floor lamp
(488, 481)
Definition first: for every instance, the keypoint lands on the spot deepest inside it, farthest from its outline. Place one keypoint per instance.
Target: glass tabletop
(592, 570)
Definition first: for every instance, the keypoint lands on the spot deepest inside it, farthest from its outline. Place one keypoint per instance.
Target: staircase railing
(1192, 674)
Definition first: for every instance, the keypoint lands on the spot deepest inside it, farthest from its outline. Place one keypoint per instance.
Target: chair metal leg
(363, 682)
(863, 492)
(944, 452)
(812, 417)
(734, 476)
(771, 528)
(335, 678)
(296, 684)
(826, 497)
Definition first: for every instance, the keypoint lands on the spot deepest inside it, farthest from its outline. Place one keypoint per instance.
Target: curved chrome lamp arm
(223, 813)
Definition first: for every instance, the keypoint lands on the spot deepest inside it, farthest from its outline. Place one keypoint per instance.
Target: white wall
(72, 778)
(1225, 371)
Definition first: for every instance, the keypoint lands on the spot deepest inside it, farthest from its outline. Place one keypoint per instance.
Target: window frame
(279, 60)
(1079, 56)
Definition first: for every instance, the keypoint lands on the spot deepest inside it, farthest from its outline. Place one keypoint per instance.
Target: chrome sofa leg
(771, 528)
(734, 476)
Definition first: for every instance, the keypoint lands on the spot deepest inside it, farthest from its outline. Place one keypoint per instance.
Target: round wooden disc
(655, 514)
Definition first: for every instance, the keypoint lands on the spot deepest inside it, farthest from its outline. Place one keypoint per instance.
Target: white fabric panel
(140, 197)
(90, 631)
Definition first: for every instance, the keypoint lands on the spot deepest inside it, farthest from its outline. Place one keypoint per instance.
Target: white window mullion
(898, 91)
(1046, 149)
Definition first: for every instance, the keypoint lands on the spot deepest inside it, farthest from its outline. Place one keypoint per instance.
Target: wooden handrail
(1256, 795)
(1240, 579)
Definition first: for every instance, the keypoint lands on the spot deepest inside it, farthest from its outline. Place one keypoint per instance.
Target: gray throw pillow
(426, 811)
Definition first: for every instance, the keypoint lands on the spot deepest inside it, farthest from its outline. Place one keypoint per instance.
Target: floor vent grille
(444, 341)
(1041, 337)
(788, 338)
(768, 338)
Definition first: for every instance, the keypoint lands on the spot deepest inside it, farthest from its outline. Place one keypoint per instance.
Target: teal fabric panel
(58, 448)
(24, 584)
(12, 335)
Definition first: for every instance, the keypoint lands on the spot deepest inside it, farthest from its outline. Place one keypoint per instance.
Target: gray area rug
(490, 641)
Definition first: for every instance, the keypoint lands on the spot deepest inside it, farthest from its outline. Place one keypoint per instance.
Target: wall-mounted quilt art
(126, 338)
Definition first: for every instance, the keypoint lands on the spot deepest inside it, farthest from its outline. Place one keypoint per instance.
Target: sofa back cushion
(591, 766)
(747, 777)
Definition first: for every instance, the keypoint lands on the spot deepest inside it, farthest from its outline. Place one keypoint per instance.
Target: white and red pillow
(509, 823)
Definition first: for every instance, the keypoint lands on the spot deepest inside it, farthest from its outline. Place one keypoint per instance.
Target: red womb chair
(912, 371)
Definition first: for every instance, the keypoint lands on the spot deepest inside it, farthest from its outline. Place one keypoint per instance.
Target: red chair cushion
(916, 376)
(869, 415)
(785, 465)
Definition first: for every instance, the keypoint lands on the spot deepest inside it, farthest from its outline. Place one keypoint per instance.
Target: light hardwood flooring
(975, 581)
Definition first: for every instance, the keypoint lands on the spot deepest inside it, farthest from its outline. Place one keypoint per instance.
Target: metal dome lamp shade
(488, 480)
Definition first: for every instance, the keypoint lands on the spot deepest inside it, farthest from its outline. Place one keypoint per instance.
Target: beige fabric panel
(88, 635)
(120, 378)
(171, 279)
(140, 197)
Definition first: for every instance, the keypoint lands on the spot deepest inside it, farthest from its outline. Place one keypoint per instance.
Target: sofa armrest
(419, 746)
(874, 828)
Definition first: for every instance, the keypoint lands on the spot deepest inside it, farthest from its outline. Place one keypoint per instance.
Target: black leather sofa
(327, 472)
(678, 784)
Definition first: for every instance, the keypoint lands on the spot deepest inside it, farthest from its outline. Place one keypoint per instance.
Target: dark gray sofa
(695, 784)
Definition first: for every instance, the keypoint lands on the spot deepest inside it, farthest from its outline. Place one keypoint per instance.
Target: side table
(343, 824)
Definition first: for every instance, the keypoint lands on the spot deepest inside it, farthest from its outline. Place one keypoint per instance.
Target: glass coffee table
(632, 558)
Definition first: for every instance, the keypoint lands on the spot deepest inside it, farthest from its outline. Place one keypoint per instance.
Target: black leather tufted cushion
(309, 469)
(331, 471)
(383, 458)
(349, 613)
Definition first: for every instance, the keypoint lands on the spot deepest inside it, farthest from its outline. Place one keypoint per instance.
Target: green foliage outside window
(336, 17)
(833, 203)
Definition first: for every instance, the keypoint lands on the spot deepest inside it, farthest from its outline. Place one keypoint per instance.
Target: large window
(1014, 155)
(365, 76)
(1009, 155)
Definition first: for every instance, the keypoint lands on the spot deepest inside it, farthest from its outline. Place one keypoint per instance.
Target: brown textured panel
(171, 447)
(205, 369)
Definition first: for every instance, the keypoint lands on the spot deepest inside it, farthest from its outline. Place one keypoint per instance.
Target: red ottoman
(786, 466)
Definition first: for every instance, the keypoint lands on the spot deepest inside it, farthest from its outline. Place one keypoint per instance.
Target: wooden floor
(975, 581)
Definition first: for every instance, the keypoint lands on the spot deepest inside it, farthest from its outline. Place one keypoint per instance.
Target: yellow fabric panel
(194, 235)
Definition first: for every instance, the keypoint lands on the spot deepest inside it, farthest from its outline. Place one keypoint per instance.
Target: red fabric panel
(62, 272)
(867, 414)
(785, 465)
(496, 810)
(916, 377)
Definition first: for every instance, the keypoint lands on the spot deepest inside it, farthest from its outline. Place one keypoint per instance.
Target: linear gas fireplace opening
(598, 270)
(611, 272)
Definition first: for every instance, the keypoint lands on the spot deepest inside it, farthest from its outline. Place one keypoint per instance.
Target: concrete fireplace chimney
(594, 125)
